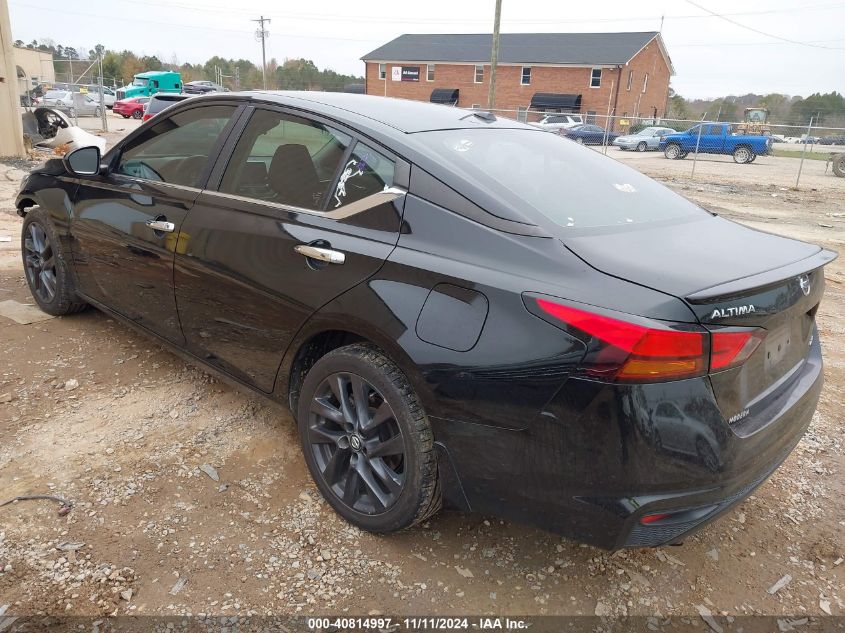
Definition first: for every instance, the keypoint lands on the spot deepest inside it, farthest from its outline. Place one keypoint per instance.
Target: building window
(476, 106)
(479, 74)
(522, 113)
(526, 75)
(595, 78)
(645, 82)
(429, 72)
(591, 117)
(382, 71)
(630, 79)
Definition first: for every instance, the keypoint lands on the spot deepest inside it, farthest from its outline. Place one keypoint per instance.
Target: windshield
(56, 94)
(570, 185)
(140, 81)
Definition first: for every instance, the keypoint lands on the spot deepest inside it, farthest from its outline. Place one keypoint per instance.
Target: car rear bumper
(598, 459)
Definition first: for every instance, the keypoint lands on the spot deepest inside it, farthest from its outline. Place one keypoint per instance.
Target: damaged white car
(52, 129)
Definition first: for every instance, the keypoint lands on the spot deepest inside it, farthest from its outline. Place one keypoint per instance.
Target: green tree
(678, 108)
(826, 109)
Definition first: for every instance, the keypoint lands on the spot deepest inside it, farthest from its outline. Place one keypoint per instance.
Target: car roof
(401, 115)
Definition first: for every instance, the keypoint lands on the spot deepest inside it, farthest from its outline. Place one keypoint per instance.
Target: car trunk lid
(731, 277)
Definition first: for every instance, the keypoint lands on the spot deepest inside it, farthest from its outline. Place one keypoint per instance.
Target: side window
(176, 149)
(715, 129)
(285, 159)
(365, 173)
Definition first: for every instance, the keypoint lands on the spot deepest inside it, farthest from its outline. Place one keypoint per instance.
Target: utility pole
(494, 56)
(103, 120)
(262, 34)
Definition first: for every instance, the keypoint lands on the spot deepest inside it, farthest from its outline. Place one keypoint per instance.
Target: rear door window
(176, 150)
(285, 159)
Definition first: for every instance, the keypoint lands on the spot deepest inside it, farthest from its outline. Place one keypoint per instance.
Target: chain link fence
(795, 150)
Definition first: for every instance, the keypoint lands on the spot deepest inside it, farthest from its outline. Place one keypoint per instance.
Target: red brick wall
(510, 94)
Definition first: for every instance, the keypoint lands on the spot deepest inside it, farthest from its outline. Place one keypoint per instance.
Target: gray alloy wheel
(579, 140)
(642, 146)
(137, 114)
(743, 155)
(44, 265)
(672, 151)
(366, 440)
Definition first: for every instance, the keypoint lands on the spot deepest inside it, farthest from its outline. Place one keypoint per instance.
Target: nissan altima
(458, 309)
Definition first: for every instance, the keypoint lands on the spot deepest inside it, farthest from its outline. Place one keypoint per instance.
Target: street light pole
(494, 56)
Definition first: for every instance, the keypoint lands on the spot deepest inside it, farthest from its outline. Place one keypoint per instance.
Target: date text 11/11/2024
(381, 623)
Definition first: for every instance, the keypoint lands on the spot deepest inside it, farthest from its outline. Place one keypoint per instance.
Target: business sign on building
(405, 73)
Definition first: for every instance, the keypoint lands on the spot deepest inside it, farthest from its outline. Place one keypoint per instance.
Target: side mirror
(84, 161)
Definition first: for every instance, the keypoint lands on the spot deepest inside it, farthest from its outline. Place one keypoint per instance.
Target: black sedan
(588, 134)
(459, 309)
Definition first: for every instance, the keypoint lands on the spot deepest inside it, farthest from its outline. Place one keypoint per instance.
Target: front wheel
(367, 440)
(743, 155)
(673, 151)
(46, 269)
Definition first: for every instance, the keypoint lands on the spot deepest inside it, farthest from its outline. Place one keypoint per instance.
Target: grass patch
(796, 153)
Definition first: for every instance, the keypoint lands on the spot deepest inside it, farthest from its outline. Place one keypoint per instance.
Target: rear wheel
(45, 266)
(642, 146)
(137, 114)
(672, 151)
(743, 155)
(839, 165)
(367, 440)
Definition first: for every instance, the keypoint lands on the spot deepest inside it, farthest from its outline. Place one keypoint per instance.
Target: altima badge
(732, 311)
(804, 283)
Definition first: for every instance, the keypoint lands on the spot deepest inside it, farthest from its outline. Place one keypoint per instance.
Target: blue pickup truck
(716, 138)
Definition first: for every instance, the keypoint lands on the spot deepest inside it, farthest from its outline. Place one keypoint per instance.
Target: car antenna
(484, 115)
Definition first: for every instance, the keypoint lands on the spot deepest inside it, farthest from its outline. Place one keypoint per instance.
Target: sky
(758, 46)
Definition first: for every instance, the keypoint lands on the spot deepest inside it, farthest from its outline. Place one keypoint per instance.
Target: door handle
(320, 254)
(161, 225)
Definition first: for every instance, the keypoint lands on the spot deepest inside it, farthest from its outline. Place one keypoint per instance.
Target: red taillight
(733, 348)
(633, 352)
(147, 117)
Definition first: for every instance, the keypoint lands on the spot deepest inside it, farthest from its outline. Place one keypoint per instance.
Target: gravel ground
(192, 498)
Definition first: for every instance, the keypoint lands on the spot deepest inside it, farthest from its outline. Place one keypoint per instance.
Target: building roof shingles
(516, 48)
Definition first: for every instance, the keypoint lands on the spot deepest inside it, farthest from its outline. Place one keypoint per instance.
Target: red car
(133, 107)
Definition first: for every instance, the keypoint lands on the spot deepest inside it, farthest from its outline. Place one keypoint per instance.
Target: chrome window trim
(388, 194)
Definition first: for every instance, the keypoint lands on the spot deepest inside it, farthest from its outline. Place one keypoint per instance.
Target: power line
(758, 31)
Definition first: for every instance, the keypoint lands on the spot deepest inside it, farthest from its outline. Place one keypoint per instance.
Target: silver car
(73, 103)
(647, 138)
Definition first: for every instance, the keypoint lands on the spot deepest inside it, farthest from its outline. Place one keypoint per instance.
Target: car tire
(137, 114)
(125, 116)
(579, 140)
(743, 155)
(374, 490)
(839, 165)
(673, 151)
(45, 266)
(642, 146)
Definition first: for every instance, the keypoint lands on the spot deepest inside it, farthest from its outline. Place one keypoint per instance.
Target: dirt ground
(94, 413)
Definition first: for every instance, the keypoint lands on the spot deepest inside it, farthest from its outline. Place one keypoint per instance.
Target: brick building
(589, 73)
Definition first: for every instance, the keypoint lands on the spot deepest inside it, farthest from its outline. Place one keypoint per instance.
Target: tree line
(826, 109)
(237, 74)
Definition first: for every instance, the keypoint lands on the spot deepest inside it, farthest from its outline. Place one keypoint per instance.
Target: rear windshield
(157, 105)
(571, 185)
